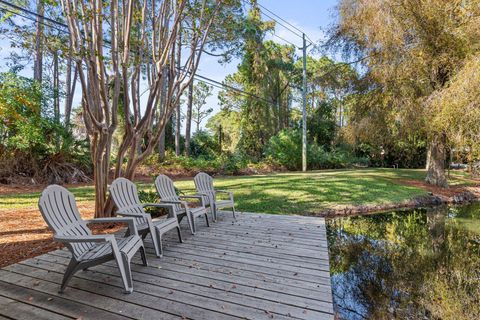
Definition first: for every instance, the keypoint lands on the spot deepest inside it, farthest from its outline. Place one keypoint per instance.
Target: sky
(311, 16)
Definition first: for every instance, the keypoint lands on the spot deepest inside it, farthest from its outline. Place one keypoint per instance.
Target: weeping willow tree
(125, 52)
(411, 50)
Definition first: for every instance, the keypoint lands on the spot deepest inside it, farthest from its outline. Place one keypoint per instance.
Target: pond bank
(436, 196)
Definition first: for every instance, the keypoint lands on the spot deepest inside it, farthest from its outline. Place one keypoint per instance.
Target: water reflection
(420, 264)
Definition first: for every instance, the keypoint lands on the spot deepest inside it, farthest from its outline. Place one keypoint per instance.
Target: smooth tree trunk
(101, 158)
(178, 114)
(56, 88)
(436, 157)
(178, 128)
(70, 84)
(162, 107)
(38, 62)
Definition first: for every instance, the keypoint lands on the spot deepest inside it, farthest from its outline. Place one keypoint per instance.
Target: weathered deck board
(259, 267)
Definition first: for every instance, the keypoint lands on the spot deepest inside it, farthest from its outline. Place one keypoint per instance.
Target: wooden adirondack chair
(59, 209)
(125, 196)
(166, 191)
(204, 186)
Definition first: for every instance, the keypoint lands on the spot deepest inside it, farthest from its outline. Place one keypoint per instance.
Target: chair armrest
(230, 193)
(223, 191)
(169, 205)
(158, 205)
(130, 221)
(132, 215)
(90, 238)
(199, 197)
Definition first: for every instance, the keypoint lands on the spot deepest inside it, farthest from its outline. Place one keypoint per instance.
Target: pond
(417, 264)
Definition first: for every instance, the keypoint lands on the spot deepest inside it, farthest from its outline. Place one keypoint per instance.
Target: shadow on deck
(260, 267)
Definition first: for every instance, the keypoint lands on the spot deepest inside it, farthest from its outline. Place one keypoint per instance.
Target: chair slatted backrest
(60, 212)
(204, 184)
(125, 196)
(166, 190)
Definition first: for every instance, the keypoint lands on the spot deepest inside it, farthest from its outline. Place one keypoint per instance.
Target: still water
(418, 264)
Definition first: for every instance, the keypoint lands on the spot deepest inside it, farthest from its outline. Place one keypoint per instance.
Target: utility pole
(304, 109)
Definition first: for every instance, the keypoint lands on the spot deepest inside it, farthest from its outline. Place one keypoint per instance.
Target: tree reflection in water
(419, 264)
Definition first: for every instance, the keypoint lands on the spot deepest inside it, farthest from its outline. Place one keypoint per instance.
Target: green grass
(292, 193)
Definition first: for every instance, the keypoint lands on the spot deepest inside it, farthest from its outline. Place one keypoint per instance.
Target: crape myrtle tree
(125, 52)
(411, 50)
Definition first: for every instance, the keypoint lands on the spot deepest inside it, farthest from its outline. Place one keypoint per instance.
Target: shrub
(286, 149)
(34, 145)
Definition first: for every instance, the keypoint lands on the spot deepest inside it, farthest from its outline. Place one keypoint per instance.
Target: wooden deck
(260, 267)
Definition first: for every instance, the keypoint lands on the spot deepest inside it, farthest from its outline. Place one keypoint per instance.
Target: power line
(299, 33)
(283, 39)
(285, 21)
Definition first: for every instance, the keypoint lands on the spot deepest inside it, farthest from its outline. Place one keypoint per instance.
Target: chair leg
(128, 274)
(156, 243)
(191, 223)
(179, 234)
(159, 241)
(144, 256)
(71, 269)
(215, 213)
(206, 218)
(214, 216)
(194, 224)
(122, 268)
(233, 210)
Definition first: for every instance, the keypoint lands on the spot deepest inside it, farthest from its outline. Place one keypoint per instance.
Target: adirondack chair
(125, 196)
(166, 191)
(59, 209)
(204, 186)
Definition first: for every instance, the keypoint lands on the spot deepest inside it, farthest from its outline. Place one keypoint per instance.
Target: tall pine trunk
(70, 84)
(163, 108)
(178, 115)
(436, 158)
(38, 62)
(188, 122)
(56, 88)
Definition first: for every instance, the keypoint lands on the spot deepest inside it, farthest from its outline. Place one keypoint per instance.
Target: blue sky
(311, 16)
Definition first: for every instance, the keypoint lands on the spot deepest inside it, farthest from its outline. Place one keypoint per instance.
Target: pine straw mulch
(24, 234)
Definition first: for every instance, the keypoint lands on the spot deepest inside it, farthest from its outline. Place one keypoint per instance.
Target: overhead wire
(293, 29)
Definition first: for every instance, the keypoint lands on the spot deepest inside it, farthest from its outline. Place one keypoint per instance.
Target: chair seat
(198, 211)
(128, 245)
(163, 225)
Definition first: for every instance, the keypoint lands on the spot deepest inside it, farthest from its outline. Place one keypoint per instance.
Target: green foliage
(321, 125)
(203, 145)
(151, 196)
(285, 148)
(223, 164)
(33, 144)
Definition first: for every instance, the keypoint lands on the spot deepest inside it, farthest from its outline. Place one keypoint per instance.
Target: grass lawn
(291, 193)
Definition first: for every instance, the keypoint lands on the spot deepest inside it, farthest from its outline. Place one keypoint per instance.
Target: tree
(47, 44)
(200, 94)
(411, 50)
(115, 47)
(224, 42)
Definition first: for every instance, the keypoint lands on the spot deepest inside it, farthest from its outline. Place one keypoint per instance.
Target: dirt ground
(24, 234)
